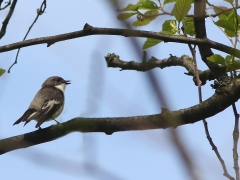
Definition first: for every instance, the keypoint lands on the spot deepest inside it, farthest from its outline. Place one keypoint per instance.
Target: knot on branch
(172, 57)
(222, 81)
(170, 119)
(164, 110)
(110, 58)
(87, 27)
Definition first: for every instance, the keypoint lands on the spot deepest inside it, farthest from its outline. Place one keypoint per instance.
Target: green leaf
(219, 9)
(190, 30)
(224, 24)
(146, 18)
(130, 7)
(141, 22)
(222, 16)
(229, 63)
(125, 16)
(217, 59)
(168, 1)
(230, 33)
(232, 19)
(170, 26)
(189, 26)
(150, 42)
(142, 4)
(147, 4)
(151, 14)
(236, 64)
(2, 71)
(181, 9)
(188, 20)
(228, 59)
(230, 1)
(228, 24)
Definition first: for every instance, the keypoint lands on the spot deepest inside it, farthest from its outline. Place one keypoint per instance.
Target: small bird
(48, 102)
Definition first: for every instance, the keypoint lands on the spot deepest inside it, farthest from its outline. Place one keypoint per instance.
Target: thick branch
(185, 61)
(89, 30)
(200, 30)
(215, 104)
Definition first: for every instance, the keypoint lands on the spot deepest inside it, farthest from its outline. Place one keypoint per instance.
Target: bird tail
(25, 116)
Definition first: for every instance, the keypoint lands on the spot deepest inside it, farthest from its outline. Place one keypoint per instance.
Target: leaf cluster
(181, 23)
(152, 10)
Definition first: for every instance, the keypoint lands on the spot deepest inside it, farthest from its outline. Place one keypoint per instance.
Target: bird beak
(67, 82)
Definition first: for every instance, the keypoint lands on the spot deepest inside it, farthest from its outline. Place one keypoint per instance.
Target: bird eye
(58, 79)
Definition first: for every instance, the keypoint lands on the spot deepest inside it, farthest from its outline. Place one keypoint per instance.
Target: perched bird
(48, 102)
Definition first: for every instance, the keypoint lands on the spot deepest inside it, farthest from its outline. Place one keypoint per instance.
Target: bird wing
(48, 110)
(51, 99)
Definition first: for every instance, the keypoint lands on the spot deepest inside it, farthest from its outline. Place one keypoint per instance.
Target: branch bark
(185, 61)
(224, 97)
(89, 30)
(200, 30)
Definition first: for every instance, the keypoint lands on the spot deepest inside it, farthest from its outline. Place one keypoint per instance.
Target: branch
(200, 30)
(215, 104)
(40, 11)
(222, 11)
(6, 4)
(114, 61)
(1, 1)
(184, 61)
(235, 141)
(5, 22)
(89, 30)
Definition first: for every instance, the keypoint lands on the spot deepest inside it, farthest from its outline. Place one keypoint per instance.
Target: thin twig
(214, 148)
(40, 11)
(236, 125)
(5, 22)
(193, 52)
(237, 23)
(236, 34)
(235, 141)
(7, 4)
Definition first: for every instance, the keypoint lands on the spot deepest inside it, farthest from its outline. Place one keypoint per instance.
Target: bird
(48, 103)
